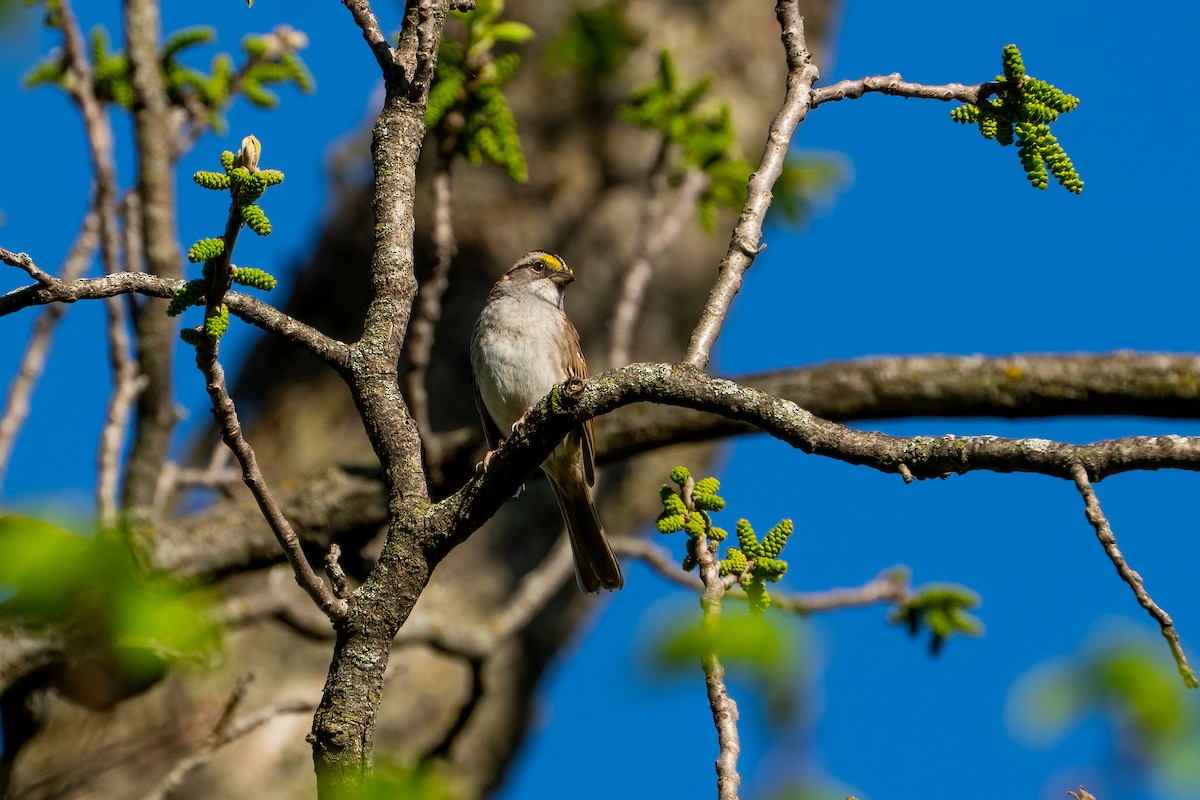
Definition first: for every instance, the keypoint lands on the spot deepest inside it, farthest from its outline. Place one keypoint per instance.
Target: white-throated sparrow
(523, 344)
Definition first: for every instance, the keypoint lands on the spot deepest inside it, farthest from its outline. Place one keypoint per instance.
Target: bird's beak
(562, 276)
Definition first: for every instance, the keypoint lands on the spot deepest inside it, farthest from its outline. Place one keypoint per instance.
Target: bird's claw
(521, 420)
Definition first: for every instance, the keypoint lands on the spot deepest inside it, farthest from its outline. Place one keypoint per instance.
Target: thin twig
(535, 592)
(126, 385)
(724, 709)
(270, 319)
(1108, 540)
(745, 244)
(890, 587)
(337, 575)
(895, 85)
(365, 19)
(22, 261)
(219, 475)
(659, 559)
(231, 430)
(660, 227)
(428, 313)
(33, 360)
(226, 731)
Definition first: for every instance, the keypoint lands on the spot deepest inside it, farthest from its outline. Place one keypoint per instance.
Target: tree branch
(1108, 540)
(744, 246)
(905, 387)
(154, 142)
(895, 85)
(429, 312)
(364, 18)
(724, 709)
(33, 360)
(231, 431)
(678, 385)
(661, 225)
(334, 353)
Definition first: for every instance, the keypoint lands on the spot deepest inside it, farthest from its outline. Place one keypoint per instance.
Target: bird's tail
(596, 566)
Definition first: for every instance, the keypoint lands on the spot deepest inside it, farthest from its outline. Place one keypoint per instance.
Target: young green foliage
(594, 43)
(1022, 111)
(702, 136)
(467, 111)
(753, 562)
(52, 578)
(270, 59)
(246, 182)
(942, 609)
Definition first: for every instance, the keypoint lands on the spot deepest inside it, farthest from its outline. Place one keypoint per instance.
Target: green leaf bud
(965, 114)
(205, 249)
(227, 158)
(708, 502)
(777, 537)
(756, 594)
(191, 294)
(187, 37)
(1014, 67)
(694, 526)
(255, 278)
(669, 523)
(256, 220)
(680, 475)
(747, 541)
(734, 562)
(211, 180)
(192, 336)
(216, 325)
(770, 569)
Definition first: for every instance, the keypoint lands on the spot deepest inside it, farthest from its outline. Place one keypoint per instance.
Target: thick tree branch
(678, 385)
(745, 245)
(344, 725)
(903, 387)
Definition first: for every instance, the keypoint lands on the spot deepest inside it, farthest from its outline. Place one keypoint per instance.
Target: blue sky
(935, 244)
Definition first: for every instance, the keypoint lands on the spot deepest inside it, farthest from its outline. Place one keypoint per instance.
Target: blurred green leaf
(594, 43)
(1122, 677)
(50, 576)
(764, 650)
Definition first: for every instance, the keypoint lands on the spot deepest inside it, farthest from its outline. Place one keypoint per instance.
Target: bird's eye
(539, 266)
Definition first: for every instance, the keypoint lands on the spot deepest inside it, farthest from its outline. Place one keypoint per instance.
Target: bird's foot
(516, 426)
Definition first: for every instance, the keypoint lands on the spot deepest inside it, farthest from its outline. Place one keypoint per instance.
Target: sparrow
(522, 346)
